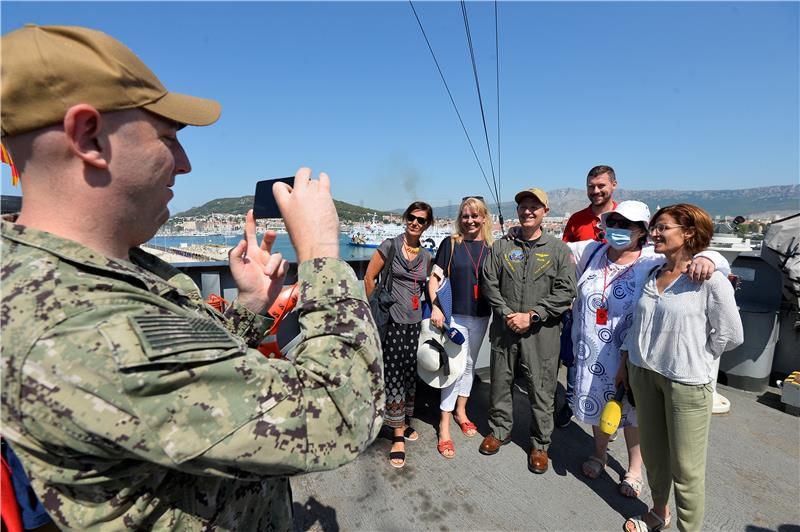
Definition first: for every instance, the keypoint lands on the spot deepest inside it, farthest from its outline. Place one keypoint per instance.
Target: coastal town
(209, 237)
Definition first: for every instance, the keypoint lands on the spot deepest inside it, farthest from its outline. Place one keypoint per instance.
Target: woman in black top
(461, 258)
(410, 268)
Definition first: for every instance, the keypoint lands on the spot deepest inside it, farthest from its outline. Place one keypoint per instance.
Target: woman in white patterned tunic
(610, 281)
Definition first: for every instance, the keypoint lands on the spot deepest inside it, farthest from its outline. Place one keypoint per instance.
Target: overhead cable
(497, 78)
(480, 97)
(477, 159)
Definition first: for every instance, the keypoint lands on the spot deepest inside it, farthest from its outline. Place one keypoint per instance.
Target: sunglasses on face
(620, 223)
(420, 220)
(660, 228)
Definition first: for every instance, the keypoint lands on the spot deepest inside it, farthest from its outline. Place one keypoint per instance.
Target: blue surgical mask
(618, 238)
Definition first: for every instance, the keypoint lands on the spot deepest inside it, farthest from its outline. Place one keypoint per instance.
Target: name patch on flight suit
(543, 261)
(162, 335)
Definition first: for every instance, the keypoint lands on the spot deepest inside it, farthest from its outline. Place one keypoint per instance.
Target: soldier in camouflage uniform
(131, 403)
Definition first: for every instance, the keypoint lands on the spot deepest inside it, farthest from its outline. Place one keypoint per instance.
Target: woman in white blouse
(679, 328)
(610, 281)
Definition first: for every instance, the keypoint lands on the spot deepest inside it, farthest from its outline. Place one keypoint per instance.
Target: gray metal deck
(752, 481)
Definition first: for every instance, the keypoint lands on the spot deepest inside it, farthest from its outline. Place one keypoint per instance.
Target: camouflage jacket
(134, 405)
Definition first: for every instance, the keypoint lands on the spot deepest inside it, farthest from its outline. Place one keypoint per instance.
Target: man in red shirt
(600, 185)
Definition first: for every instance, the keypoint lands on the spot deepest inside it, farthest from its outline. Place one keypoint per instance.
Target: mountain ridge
(772, 200)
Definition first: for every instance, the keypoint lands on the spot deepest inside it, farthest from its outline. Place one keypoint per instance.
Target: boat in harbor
(370, 235)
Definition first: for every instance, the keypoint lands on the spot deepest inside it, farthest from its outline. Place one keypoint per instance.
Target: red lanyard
(475, 293)
(605, 276)
(414, 296)
(476, 266)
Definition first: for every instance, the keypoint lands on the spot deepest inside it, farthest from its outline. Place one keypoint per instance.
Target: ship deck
(752, 481)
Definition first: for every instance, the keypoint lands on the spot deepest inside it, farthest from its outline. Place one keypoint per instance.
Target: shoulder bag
(567, 354)
(381, 299)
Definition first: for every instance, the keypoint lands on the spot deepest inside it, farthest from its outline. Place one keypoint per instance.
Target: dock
(752, 479)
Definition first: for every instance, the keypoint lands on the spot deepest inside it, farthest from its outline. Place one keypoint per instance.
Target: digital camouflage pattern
(134, 405)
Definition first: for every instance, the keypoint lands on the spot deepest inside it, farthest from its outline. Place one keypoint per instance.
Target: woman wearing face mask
(610, 280)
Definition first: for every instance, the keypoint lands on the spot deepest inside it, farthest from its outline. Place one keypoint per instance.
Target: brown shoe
(490, 445)
(538, 461)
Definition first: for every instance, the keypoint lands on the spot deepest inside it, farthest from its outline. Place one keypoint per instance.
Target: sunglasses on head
(420, 220)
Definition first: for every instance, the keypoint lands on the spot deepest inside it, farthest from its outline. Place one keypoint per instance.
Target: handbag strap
(386, 282)
(588, 262)
(452, 252)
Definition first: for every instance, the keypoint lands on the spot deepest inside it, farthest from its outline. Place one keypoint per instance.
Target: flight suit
(524, 276)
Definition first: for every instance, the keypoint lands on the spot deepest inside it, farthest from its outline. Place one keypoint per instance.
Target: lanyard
(414, 295)
(476, 266)
(475, 290)
(605, 276)
(414, 271)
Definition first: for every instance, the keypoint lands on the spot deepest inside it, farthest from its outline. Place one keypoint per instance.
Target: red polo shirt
(583, 226)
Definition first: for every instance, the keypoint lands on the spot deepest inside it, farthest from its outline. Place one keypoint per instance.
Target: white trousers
(474, 329)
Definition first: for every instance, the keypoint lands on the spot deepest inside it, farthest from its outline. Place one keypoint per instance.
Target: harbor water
(283, 245)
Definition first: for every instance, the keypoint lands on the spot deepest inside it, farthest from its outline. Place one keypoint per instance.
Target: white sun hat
(635, 211)
(435, 349)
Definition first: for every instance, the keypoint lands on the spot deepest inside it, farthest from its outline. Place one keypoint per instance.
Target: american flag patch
(163, 335)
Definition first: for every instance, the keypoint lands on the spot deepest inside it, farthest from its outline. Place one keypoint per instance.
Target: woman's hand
(437, 317)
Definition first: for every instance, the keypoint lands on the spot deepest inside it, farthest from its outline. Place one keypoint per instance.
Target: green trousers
(536, 353)
(674, 419)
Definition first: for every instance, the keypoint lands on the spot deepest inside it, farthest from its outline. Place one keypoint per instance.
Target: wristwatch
(535, 318)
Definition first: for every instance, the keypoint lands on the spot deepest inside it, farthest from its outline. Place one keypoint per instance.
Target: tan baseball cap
(537, 193)
(48, 69)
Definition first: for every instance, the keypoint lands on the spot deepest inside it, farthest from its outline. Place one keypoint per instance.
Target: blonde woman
(461, 258)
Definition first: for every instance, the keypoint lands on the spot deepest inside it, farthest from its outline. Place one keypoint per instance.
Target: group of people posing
(650, 309)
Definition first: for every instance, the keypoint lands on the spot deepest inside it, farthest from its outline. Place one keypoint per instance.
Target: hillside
(779, 200)
(347, 211)
(769, 201)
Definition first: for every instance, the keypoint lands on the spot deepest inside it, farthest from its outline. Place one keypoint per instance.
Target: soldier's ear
(83, 127)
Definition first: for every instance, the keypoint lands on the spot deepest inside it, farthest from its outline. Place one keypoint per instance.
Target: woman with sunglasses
(610, 278)
(410, 268)
(678, 330)
(460, 258)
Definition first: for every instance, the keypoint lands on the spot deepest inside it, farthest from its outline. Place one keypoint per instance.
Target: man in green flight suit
(132, 403)
(529, 281)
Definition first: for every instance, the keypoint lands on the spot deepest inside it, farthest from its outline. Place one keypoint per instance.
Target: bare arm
(374, 269)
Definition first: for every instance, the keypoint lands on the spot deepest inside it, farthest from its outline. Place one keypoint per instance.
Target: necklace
(409, 249)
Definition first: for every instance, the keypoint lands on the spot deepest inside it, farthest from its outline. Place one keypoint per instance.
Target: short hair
(690, 216)
(420, 206)
(475, 204)
(600, 170)
(642, 239)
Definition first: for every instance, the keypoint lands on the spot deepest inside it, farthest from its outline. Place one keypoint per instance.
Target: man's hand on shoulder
(310, 216)
(700, 269)
(258, 273)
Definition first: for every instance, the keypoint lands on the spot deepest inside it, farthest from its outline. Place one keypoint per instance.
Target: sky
(673, 95)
